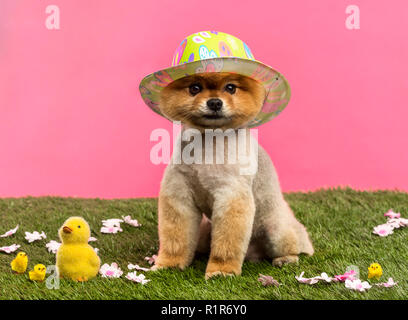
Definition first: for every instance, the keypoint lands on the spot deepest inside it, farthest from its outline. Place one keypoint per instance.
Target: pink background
(72, 122)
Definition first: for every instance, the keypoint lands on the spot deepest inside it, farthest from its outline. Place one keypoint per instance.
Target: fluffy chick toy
(38, 274)
(374, 271)
(76, 259)
(19, 264)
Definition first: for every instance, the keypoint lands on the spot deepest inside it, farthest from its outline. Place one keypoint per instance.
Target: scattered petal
(137, 267)
(390, 283)
(10, 249)
(112, 223)
(325, 277)
(394, 222)
(53, 246)
(9, 233)
(151, 259)
(128, 220)
(397, 222)
(403, 222)
(111, 229)
(268, 280)
(357, 285)
(92, 239)
(110, 271)
(96, 250)
(132, 276)
(383, 230)
(31, 237)
(350, 275)
(392, 215)
(306, 280)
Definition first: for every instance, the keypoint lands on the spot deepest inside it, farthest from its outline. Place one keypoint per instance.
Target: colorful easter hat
(212, 51)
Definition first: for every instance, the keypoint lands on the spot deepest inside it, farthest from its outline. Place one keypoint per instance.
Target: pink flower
(53, 246)
(110, 271)
(383, 230)
(390, 283)
(10, 249)
(392, 215)
(9, 233)
(92, 239)
(346, 276)
(132, 276)
(151, 259)
(357, 285)
(128, 220)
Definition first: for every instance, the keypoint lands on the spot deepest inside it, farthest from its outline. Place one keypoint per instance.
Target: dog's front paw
(280, 261)
(165, 262)
(209, 275)
(222, 269)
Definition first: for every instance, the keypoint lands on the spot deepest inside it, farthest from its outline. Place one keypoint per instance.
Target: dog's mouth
(213, 116)
(211, 120)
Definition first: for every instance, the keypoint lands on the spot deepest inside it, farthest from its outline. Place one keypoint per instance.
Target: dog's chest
(213, 168)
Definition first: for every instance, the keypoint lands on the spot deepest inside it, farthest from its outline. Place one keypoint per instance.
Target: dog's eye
(195, 89)
(231, 88)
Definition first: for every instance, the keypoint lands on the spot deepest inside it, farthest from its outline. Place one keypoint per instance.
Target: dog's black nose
(214, 104)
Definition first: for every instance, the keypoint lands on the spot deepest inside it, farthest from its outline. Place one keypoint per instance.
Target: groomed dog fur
(213, 207)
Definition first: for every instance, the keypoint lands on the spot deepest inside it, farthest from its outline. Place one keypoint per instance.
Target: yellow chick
(38, 274)
(374, 271)
(76, 259)
(19, 264)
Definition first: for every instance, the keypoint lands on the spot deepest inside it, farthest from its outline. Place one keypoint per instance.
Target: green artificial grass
(340, 222)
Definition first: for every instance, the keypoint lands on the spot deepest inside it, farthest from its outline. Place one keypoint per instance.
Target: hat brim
(276, 86)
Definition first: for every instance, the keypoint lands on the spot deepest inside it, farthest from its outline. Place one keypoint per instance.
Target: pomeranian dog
(213, 207)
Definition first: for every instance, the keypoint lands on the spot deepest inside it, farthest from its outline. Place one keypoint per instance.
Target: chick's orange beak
(67, 229)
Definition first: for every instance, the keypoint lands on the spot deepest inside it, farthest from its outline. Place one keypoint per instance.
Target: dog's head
(213, 100)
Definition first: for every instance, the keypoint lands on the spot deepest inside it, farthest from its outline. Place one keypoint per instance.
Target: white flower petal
(128, 220)
(137, 267)
(31, 237)
(10, 249)
(390, 283)
(112, 223)
(357, 285)
(111, 229)
(383, 230)
(307, 280)
(9, 233)
(53, 246)
(132, 276)
(151, 259)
